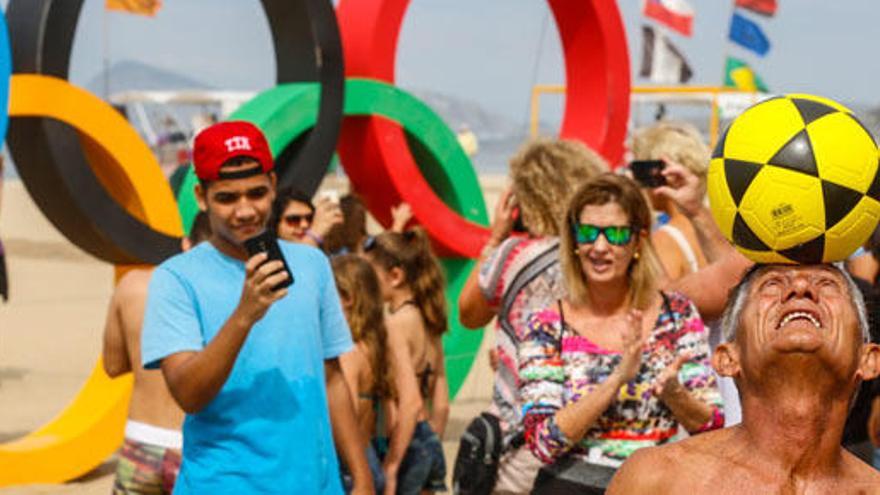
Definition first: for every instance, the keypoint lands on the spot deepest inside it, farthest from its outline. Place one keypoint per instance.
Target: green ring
(286, 111)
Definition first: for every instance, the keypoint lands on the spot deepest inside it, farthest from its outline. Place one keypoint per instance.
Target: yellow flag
(141, 7)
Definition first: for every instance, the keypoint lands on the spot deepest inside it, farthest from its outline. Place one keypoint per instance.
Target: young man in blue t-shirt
(254, 368)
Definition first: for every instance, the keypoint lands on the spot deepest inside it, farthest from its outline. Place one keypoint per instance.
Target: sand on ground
(50, 332)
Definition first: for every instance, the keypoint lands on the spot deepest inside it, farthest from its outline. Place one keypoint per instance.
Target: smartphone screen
(267, 243)
(648, 173)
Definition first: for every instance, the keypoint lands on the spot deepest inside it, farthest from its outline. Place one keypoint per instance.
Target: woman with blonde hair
(519, 274)
(678, 246)
(617, 364)
(412, 285)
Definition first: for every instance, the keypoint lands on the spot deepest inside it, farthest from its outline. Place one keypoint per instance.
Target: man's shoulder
(134, 282)
(662, 469)
(188, 259)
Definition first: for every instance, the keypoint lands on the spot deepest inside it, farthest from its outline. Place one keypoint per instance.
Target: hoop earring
(636, 256)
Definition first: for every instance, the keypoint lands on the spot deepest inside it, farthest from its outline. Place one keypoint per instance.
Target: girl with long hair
(413, 289)
(366, 368)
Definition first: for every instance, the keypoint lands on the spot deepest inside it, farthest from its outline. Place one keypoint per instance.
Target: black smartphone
(648, 173)
(267, 243)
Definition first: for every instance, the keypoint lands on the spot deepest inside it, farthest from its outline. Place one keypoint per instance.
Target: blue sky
(491, 51)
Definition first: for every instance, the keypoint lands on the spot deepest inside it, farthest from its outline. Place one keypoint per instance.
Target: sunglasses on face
(293, 220)
(616, 235)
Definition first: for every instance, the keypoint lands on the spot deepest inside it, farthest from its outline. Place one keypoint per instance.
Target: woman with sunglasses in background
(617, 365)
(413, 288)
(296, 219)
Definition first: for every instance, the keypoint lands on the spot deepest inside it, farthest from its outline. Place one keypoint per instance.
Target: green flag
(739, 75)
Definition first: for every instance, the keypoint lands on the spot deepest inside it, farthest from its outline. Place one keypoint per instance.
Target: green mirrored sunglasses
(617, 235)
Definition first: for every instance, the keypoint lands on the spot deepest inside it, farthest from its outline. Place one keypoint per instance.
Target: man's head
(236, 184)
(785, 321)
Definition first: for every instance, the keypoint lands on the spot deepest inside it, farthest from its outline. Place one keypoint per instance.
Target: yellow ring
(91, 427)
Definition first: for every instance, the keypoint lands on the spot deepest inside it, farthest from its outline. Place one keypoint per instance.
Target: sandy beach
(50, 332)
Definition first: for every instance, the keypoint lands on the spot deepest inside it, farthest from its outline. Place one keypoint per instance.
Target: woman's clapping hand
(633, 344)
(667, 382)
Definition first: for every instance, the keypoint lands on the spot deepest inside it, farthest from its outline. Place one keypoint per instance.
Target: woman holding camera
(676, 241)
(618, 364)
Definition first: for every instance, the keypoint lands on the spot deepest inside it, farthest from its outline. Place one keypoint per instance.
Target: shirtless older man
(797, 349)
(150, 456)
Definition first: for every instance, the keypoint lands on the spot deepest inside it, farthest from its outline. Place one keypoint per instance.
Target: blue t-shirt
(268, 429)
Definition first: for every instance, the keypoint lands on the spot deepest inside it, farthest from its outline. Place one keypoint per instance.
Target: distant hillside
(128, 75)
(459, 113)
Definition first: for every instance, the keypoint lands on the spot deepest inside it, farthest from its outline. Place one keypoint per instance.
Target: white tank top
(683, 245)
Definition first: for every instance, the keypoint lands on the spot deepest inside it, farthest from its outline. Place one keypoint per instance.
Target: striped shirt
(517, 261)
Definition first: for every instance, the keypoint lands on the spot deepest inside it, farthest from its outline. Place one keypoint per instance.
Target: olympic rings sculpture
(88, 171)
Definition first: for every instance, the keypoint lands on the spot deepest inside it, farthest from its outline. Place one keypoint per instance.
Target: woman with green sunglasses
(617, 365)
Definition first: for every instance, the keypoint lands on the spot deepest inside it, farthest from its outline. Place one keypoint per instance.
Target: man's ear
(869, 365)
(200, 197)
(725, 360)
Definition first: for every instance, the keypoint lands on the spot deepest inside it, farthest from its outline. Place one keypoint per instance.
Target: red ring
(596, 108)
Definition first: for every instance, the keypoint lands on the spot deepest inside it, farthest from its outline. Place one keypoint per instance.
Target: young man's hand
(257, 294)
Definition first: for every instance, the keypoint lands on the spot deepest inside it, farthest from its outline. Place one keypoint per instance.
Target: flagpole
(727, 43)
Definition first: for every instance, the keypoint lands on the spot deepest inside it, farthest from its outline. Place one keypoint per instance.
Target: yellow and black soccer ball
(794, 179)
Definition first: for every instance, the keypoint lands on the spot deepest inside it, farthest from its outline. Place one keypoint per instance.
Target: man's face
(238, 208)
(800, 311)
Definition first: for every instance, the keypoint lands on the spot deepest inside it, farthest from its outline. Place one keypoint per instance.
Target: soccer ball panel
(853, 230)
(845, 152)
(723, 207)
(780, 207)
(819, 99)
(758, 133)
(764, 256)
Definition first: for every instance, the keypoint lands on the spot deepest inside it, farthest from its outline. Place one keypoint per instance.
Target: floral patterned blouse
(637, 418)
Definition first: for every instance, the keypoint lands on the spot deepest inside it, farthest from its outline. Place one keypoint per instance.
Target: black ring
(54, 167)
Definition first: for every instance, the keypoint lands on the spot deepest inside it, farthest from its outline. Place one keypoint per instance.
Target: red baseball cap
(218, 143)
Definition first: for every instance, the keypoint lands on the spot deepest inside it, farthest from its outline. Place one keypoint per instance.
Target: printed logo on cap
(237, 143)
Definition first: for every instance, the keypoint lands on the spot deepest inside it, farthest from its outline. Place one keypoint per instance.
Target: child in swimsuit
(413, 288)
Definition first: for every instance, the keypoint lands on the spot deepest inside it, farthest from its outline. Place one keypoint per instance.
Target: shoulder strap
(667, 308)
(561, 328)
(528, 273)
(683, 245)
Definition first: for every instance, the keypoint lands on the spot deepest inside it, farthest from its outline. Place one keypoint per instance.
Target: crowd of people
(621, 351)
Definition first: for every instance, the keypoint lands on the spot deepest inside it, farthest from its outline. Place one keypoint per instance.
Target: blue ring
(5, 76)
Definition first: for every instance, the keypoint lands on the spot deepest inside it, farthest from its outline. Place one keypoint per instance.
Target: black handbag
(572, 475)
(476, 465)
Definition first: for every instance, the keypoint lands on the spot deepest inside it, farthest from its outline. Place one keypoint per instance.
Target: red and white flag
(675, 14)
(763, 7)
